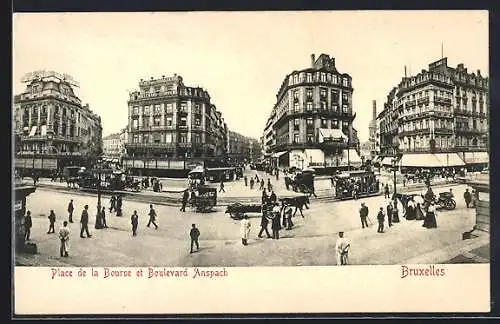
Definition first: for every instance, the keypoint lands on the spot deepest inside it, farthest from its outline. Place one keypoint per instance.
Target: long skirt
(419, 215)
(410, 213)
(430, 220)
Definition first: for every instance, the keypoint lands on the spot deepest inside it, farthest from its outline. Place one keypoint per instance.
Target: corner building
(52, 127)
(437, 118)
(311, 123)
(172, 127)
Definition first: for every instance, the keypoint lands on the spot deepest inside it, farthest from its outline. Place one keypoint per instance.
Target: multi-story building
(311, 123)
(52, 128)
(112, 146)
(123, 141)
(437, 118)
(241, 147)
(170, 125)
(373, 133)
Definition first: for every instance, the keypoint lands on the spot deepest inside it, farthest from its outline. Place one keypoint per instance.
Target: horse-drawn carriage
(355, 184)
(301, 181)
(71, 174)
(203, 199)
(238, 210)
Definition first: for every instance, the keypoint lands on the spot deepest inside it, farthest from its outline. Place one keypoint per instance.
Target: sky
(241, 58)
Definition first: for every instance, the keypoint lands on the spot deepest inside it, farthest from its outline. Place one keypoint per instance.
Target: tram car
(302, 181)
(355, 184)
(203, 199)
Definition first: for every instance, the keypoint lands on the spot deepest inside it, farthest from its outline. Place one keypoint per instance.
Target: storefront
(21, 191)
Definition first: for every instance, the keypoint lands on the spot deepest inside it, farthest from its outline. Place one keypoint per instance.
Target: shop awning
(351, 158)
(278, 154)
(387, 160)
(476, 158)
(33, 131)
(331, 134)
(449, 159)
(421, 160)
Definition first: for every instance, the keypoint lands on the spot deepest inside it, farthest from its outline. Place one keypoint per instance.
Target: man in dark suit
(27, 225)
(194, 233)
(152, 217)
(134, 220)
(71, 208)
(84, 222)
(363, 214)
(380, 218)
(185, 199)
(389, 213)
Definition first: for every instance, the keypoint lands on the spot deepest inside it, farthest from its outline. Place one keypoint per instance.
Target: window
(323, 77)
(310, 138)
(345, 124)
(156, 138)
(309, 106)
(323, 122)
(295, 78)
(309, 77)
(345, 109)
(310, 122)
(197, 138)
(145, 122)
(135, 123)
(296, 138)
(145, 138)
(345, 98)
(157, 109)
(183, 122)
(182, 138)
(169, 121)
(322, 93)
(296, 122)
(197, 122)
(136, 139)
(345, 82)
(183, 107)
(157, 121)
(335, 124)
(296, 94)
(170, 108)
(334, 79)
(146, 110)
(168, 138)
(309, 93)
(296, 107)
(197, 109)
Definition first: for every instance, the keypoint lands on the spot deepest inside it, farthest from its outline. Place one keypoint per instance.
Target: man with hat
(363, 214)
(342, 249)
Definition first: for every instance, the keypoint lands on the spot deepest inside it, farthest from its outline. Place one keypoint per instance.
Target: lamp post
(394, 169)
(98, 221)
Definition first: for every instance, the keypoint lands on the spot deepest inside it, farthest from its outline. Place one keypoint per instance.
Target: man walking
(264, 222)
(185, 199)
(276, 222)
(71, 208)
(84, 222)
(269, 185)
(342, 249)
(245, 230)
(103, 217)
(251, 183)
(52, 221)
(64, 234)
(27, 225)
(119, 205)
(389, 213)
(112, 202)
(194, 233)
(222, 186)
(134, 220)
(363, 214)
(386, 191)
(380, 218)
(246, 180)
(467, 197)
(261, 184)
(152, 217)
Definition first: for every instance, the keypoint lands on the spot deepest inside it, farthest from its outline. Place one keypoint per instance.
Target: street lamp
(394, 168)
(98, 221)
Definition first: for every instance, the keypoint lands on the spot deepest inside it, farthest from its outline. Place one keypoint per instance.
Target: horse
(72, 182)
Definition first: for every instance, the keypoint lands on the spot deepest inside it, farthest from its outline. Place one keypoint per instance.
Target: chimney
(313, 59)
(405, 71)
(479, 72)
(374, 109)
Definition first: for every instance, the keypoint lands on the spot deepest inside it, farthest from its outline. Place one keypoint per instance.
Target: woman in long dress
(430, 217)
(245, 230)
(419, 215)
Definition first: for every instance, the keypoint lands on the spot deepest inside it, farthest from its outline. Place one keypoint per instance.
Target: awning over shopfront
(315, 156)
(387, 160)
(449, 159)
(352, 158)
(278, 154)
(327, 134)
(476, 158)
(421, 161)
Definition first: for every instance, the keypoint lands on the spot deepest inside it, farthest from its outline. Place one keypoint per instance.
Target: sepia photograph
(200, 142)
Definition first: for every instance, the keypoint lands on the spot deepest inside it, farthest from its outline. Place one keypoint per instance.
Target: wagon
(205, 199)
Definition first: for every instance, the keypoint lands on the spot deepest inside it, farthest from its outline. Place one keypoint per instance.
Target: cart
(204, 199)
(237, 210)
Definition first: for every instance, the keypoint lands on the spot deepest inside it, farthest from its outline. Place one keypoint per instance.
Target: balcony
(151, 146)
(182, 112)
(420, 131)
(423, 101)
(443, 131)
(411, 103)
(469, 130)
(185, 145)
(442, 100)
(428, 150)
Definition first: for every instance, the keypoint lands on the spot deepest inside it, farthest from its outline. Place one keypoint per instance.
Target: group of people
(253, 181)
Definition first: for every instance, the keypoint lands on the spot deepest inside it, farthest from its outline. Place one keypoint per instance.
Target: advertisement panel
(178, 165)
(162, 164)
(49, 164)
(19, 163)
(37, 164)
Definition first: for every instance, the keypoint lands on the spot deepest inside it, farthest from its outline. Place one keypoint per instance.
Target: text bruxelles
(149, 272)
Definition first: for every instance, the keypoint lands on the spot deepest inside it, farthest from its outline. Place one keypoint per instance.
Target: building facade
(168, 120)
(442, 110)
(311, 123)
(112, 145)
(241, 148)
(52, 128)
(373, 145)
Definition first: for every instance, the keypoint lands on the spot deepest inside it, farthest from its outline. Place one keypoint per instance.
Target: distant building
(437, 118)
(52, 127)
(241, 148)
(374, 147)
(311, 123)
(112, 146)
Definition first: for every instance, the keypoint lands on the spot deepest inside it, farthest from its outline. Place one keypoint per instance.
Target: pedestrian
(257, 178)
(430, 217)
(276, 222)
(245, 230)
(419, 215)
(52, 221)
(264, 222)
(119, 205)
(363, 214)
(152, 217)
(246, 180)
(272, 197)
(389, 213)
(194, 233)
(185, 199)
(64, 234)
(222, 186)
(467, 197)
(277, 174)
(410, 210)
(475, 198)
(112, 203)
(134, 220)
(84, 222)
(380, 218)
(264, 198)
(395, 213)
(342, 249)
(261, 184)
(287, 215)
(251, 183)
(28, 223)
(71, 208)
(269, 185)
(386, 191)
(103, 217)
